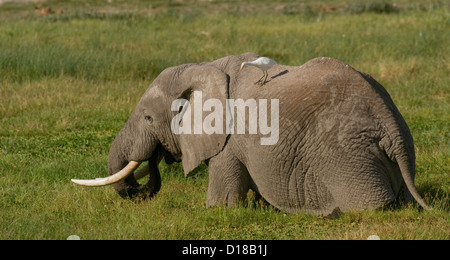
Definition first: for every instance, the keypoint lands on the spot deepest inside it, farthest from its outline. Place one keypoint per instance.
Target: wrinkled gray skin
(342, 142)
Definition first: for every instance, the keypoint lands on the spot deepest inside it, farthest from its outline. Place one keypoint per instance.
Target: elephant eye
(149, 118)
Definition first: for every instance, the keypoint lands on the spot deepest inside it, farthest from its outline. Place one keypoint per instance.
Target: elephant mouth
(121, 175)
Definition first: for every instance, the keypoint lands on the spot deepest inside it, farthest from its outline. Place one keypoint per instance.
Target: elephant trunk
(123, 175)
(129, 187)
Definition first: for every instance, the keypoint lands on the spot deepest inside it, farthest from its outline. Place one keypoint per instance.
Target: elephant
(339, 140)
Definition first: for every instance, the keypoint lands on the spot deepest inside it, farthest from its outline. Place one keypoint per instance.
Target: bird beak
(242, 66)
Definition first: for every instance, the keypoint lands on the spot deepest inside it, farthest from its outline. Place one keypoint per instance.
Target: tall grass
(69, 81)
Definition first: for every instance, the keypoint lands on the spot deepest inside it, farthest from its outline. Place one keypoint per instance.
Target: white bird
(263, 63)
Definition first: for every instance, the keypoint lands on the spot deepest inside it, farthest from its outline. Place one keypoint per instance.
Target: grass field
(71, 75)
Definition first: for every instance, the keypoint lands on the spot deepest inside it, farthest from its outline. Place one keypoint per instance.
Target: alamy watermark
(221, 118)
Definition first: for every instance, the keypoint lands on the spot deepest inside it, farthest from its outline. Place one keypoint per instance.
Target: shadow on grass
(435, 196)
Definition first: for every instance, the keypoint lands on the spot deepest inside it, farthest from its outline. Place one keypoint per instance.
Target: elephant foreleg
(153, 185)
(229, 181)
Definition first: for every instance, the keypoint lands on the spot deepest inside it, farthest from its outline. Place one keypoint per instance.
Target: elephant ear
(206, 89)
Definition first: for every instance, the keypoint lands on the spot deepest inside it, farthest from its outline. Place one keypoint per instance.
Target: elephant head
(147, 135)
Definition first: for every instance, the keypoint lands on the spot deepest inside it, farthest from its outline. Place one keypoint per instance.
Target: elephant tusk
(142, 172)
(122, 174)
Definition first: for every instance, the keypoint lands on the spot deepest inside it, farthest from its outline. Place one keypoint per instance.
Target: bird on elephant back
(335, 139)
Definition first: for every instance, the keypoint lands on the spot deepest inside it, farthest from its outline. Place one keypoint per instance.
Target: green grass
(69, 81)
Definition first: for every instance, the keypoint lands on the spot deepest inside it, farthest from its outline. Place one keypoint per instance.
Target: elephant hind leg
(229, 181)
(370, 190)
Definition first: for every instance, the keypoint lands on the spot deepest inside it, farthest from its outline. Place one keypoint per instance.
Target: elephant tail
(396, 139)
(398, 144)
(407, 169)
